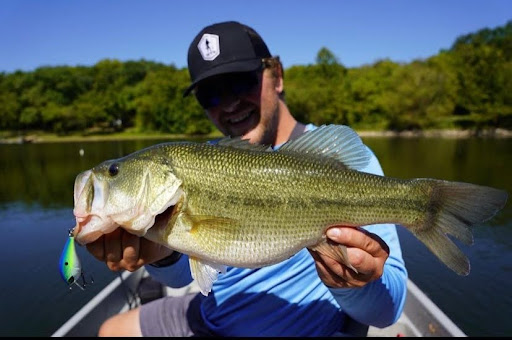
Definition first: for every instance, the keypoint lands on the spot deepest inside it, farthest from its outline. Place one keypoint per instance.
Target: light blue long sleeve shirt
(289, 299)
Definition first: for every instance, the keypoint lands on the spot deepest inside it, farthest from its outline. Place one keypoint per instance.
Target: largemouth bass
(244, 205)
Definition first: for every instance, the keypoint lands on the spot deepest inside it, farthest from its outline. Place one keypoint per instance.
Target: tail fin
(454, 208)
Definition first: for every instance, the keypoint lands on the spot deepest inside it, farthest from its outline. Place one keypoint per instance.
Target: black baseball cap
(224, 47)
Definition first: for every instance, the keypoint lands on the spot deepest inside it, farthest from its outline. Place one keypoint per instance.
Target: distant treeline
(467, 86)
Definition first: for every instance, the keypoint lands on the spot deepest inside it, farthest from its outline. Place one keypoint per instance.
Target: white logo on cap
(209, 46)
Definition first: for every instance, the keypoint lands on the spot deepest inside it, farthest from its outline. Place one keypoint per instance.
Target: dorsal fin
(336, 142)
(238, 142)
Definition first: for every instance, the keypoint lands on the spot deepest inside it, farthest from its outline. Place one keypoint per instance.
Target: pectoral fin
(207, 231)
(335, 251)
(205, 273)
(212, 231)
(203, 223)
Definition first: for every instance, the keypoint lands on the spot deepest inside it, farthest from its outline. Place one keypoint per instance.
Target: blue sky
(37, 33)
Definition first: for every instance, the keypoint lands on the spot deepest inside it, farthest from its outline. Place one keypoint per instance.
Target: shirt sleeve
(175, 276)
(379, 303)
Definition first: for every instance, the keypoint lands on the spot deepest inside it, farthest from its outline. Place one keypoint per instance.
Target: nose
(230, 103)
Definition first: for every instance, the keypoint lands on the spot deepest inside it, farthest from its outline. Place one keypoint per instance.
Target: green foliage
(110, 96)
(468, 86)
(465, 87)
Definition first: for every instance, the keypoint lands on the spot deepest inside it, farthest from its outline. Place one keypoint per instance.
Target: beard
(265, 131)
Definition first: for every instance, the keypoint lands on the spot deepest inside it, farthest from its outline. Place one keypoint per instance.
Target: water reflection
(479, 161)
(45, 173)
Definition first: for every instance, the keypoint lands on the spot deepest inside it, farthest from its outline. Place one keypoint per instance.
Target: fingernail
(334, 233)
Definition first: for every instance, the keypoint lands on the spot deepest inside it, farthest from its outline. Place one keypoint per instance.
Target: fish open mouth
(161, 221)
(80, 223)
(89, 228)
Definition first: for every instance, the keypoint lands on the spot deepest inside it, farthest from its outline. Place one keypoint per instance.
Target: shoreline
(448, 133)
(440, 133)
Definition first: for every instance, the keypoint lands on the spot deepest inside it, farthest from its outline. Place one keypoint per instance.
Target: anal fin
(205, 273)
(335, 251)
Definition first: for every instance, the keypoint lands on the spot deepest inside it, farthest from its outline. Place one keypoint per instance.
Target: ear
(279, 82)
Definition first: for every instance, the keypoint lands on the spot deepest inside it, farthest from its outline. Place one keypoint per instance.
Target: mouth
(81, 222)
(241, 123)
(84, 230)
(240, 118)
(89, 228)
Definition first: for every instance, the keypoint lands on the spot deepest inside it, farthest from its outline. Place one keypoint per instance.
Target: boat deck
(421, 317)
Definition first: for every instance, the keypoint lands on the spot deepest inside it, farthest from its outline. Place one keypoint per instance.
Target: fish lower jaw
(90, 237)
(89, 229)
(81, 220)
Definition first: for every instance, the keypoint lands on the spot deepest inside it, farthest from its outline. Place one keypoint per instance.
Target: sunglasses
(210, 95)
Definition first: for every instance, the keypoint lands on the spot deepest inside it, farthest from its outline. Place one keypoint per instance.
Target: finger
(151, 251)
(130, 251)
(366, 251)
(360, 239)
(113, 249)
(97, 248)
(335, 274)
(365, 264)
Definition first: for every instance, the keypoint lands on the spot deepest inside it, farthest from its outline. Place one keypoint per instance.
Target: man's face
(242, 104)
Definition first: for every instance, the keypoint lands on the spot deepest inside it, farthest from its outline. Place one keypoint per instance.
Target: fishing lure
(70, 267)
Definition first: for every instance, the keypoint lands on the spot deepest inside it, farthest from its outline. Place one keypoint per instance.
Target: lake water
(36, 202)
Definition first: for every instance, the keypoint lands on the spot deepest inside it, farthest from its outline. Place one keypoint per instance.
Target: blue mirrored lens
(235, 84)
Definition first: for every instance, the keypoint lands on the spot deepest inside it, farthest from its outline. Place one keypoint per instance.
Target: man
(240, 86)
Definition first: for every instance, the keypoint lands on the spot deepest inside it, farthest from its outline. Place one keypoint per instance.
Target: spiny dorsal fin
(336, 142)
(238, 142)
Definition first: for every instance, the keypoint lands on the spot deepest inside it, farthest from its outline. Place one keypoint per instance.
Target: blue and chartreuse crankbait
(70, 267)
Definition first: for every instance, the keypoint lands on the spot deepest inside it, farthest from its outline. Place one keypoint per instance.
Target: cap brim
(236, 66)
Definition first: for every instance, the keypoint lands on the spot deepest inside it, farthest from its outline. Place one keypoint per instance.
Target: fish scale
(300, 219)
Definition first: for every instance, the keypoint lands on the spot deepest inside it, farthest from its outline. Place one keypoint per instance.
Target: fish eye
(113, 169)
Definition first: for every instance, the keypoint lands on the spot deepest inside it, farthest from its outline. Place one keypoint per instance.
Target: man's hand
(122, 250)
(367, 252)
